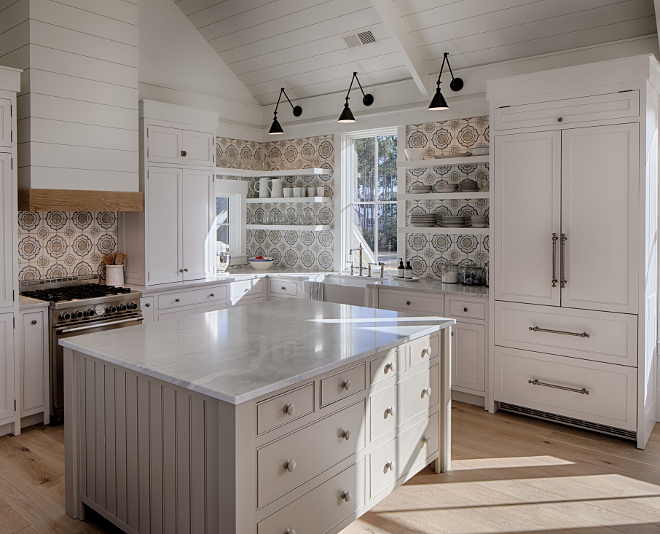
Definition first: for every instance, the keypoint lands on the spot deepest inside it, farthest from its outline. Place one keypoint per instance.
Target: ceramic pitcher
(261, 187)
(275, 188)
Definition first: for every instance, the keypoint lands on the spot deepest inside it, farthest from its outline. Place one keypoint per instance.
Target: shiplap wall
(78, 107)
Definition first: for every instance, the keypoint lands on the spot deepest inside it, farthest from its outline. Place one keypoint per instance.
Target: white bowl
(261, 265)
(415, 154)
(481, 151)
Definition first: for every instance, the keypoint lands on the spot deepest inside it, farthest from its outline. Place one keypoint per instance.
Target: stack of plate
(468, 186)
(479, 221)
(452, 221)
(445, 187)
(422, 219)
(419, 189)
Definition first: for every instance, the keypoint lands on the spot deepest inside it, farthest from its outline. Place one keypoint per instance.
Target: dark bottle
(409, 270)
(402, 269)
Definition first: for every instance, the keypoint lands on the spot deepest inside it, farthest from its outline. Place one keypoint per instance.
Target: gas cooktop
(75, 292)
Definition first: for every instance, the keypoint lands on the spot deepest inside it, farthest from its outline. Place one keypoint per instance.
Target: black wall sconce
(439, 103)
(367, 99)
(276, 128)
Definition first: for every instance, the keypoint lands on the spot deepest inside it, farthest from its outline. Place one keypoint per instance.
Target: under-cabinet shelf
(281, 200)
(226, 171)
(443, 196)
(441, 230)
(445, 162)
(300, 227)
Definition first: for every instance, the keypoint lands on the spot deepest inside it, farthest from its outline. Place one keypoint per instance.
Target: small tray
(404, 279)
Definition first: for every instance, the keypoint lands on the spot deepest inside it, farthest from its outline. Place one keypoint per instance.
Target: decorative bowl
(481, 151)
(261, 265)
(415, 154)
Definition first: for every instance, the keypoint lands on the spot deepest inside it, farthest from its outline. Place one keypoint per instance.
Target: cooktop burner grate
(79, 292)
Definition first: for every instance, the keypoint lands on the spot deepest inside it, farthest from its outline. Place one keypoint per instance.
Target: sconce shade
(275, 128)
(438, 103)
(346, 115)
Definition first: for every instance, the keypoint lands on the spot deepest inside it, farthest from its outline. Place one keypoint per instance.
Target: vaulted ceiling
(299, 44)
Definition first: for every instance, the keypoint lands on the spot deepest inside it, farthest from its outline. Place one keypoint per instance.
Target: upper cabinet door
(198, 148)
(164, 145)
(600, 195)
(164, 225)
(526, 215)
(197, 236)
(5, 123)
(6, 224)
(6, 366)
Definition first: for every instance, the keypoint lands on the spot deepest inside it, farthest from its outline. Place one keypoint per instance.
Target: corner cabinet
(172, 240)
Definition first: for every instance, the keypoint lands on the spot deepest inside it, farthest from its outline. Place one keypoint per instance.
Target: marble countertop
(25, 303)
(239, 354)
(435, 286)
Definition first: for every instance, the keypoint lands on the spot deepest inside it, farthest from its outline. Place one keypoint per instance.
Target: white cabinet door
(600, 195)
(6, 366)
(198, 148)
(34, 353)
(6, 224)
(196, 223)
(5, 123)
(527, 214)
(164, 145)
(147, 305)
(469, 356)
(164, 225)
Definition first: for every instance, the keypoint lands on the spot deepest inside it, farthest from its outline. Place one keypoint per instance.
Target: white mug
(276, 188)
(311, 191)
(288, 192)
(297, 191)
(261, 187)
(320, 191)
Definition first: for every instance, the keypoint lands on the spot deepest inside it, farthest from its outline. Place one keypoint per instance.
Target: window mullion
(376, 198)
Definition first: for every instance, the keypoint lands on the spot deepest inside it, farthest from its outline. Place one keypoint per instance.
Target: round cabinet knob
(560, 119)
(390, 367)
(390, 411)
(180, 270)
(283, 288)
(346, 434)
(428, 350)
(185, 270)
(408, 303)
(426, 391)
(289, 531)
(424, 352)
(346, 384)
(147, 305)
(246, 290)
(465, 310)
(34, 322)
(346, 495)
(426, 440)
(389, 466)
(290, 408)
(184, 153)
(212, 295)
(290, 465)
(177, 300)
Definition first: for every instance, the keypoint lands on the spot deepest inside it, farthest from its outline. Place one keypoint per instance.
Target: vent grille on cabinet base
(579, 423)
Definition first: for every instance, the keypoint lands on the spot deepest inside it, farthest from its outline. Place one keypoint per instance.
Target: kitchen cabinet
(7, 368)
(468, 359)
(34, 397)
(177, 146)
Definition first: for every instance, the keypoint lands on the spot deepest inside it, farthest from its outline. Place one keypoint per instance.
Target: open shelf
(441, 230)
(445, 162)
(443, 196)
(281, 200)
(301, 227)
(226, 171)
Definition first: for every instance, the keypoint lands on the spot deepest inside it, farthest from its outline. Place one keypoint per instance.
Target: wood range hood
(77, 200)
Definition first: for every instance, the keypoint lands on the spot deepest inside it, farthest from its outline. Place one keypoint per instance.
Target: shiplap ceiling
(298, 44)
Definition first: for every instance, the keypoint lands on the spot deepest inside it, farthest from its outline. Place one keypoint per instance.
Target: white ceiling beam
(656, 3)
(412, 57)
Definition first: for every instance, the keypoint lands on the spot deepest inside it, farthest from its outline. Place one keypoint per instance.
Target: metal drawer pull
(346, 434)
(346, 495)
(34, 321)
(177, 300)
(562, 267)
(426, 391)
(390, 367)
(346, 384)
(389, 411)
(289, 531)
(290, 408)
(576, 334)
(290, 465)
(389, 466)
(283, 288)
(465, 310)
(408, 303)
(99, 325)
(426, 440)
(212, 295)
(554, 260)
(535, 382)
(147, 305)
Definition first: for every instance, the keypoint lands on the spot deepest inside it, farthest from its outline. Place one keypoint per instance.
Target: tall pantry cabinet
(574, 272)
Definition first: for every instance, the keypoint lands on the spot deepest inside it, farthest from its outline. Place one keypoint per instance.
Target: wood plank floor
(509, 474)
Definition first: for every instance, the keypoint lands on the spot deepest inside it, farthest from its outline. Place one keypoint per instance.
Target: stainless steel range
(77, 307)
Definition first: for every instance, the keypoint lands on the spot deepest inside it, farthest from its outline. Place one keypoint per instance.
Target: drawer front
(245, 301)
(323, 507)
(570, 111)
(191, 311)
(422, 350)
(285, 408)
(418, 393)
(283, 288)
(383, 408)
(411, 301)
(245, 288)
(178, 299)
(148, 307)
(612, 336)
(383, 464)
(343, 384)
(467, 309)
(612, 388)
(314, 449)
(387, 365)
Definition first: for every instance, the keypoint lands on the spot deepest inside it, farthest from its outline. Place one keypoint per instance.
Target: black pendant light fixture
(439, 103)
(276, 128)
(367, 99)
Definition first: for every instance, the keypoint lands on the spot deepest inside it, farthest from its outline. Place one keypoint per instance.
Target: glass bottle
(401, 270)
(409, 271)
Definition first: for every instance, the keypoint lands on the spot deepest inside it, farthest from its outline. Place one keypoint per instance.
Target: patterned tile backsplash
(56, 244)
(427, 252)
(297, 249)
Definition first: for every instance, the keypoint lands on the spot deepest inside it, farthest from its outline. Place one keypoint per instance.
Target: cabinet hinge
(147, 152)
(11, 110)
(14, 404)
(13, 296)
(148, 277)
(147, 132)
(12, 164)
(14, 320)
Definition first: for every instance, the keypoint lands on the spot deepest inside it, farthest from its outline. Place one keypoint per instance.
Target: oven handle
(99, 325)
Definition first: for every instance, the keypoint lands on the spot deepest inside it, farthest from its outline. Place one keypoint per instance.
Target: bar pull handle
(563, 261)
(562, 332)
(535, 382)
(554, 260)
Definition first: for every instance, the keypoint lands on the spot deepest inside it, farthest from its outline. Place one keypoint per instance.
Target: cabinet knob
(34, 321)
(426, 440)
(290, 466)
(408, 303)
(389, 466)
(346, 434)
(184, 153)
(246, 290)
(560, 119)
(346, 495)
(147, 305)
(390, 410)
(424, 352)
(290, 408)
(177, 300)
(283, 288)
(426, 391)
(289, 531)
(346, 384)
(465, 310)
(185, 270)
(390, 367)
(212, 295)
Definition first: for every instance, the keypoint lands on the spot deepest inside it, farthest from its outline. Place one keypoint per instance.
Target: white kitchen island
(291, 416)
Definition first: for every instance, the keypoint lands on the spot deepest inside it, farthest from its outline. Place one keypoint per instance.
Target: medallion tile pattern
(297, 249)
(57, 244)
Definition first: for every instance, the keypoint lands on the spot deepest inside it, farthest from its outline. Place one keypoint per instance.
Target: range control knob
(122, 307)
(65, 316)
(112, 309)
(77, 314)
(132, 306)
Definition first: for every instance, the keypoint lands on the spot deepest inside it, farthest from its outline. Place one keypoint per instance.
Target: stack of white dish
(420, 189)
(445, 187)
(452, 221)
(468, 186)
(479, 221)
(422, 219)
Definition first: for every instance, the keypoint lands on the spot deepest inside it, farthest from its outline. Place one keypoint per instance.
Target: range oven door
(57, 355)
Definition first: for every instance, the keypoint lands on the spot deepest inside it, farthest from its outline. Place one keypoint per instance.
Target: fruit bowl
(260, 263)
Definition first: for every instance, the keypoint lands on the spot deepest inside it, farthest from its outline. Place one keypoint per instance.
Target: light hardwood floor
(509, 474)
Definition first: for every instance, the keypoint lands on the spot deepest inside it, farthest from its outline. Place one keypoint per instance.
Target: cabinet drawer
(411, 301)
(570, 111)
(329, 508)
(177, 314)
(387, 365)
(308, 452)
(612, 336)
(612, 388)
(422, 350)
(418, 393)
(282, 288)
(383, 411)
(178, 299)
(467, 309)
(285, 408)
(343, 384)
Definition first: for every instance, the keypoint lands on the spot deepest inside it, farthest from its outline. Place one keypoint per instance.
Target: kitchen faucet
(378, 264)
(350, 252)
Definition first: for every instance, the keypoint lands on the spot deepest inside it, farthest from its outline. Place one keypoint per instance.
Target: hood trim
(77, 200)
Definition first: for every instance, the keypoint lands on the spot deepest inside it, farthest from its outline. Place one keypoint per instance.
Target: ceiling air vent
(359, 39)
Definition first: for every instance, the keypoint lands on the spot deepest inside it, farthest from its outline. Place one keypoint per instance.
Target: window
(222, 220)
(230, 217)
(372, 203)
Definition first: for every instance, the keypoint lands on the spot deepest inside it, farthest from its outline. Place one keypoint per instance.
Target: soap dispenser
(401, 270)
(409, 271)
